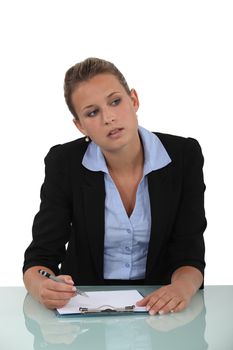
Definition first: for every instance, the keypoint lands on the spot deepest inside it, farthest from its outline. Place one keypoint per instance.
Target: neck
(127, 161)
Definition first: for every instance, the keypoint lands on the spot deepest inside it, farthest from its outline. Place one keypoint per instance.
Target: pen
(57, 279)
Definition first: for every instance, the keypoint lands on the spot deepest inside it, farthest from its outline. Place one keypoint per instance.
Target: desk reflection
(184, 330)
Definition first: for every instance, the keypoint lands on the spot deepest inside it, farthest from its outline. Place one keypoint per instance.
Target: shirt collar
(155, 155)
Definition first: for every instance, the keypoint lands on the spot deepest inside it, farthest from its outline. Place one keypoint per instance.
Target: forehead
(101, 85)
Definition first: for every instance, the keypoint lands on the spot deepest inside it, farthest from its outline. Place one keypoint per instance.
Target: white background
(179, 57)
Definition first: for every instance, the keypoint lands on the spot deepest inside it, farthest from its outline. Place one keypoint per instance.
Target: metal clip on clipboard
(106, 309)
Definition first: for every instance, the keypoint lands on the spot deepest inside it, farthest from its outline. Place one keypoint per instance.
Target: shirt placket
(127, 246)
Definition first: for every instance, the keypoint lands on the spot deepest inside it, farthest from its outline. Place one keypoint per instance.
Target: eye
(116, 102)
(92, 113)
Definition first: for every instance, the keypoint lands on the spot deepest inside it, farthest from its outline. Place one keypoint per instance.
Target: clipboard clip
(106, 308)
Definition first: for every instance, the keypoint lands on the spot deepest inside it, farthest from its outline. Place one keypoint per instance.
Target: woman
(129, 203)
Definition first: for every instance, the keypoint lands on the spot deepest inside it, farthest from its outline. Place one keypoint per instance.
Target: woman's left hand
(170, 298)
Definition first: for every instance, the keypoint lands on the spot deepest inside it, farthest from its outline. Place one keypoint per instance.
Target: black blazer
(72, 211)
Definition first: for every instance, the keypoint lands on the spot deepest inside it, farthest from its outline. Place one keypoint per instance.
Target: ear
(134, 98)
(79, 126)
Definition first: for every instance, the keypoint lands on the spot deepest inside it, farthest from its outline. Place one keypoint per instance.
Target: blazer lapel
(94, 197)
(160, 191)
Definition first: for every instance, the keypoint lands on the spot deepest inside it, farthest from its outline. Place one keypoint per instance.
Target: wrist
(190, 278)
(186, 284)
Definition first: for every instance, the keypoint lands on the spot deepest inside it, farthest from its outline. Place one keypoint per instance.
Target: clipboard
(103, 303)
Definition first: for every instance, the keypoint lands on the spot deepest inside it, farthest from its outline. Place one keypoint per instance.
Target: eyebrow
(110, 95)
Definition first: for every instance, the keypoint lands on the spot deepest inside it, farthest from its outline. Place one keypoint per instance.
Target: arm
(185, 250)
(51, 230)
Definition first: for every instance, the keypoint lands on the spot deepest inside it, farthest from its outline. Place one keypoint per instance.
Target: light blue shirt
(127, 238)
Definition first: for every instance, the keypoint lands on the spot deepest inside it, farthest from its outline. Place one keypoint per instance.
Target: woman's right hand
(48, 292)
(54, 294)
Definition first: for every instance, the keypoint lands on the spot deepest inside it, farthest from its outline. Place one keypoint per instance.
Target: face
(107, 114)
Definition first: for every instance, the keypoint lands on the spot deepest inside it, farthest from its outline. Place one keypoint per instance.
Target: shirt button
(127, 265)
(127, 248)
(128, 230)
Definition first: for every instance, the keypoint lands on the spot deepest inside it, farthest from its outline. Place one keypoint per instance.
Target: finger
(170, 306)
(143, 301)
(157, 294)
(59, 286)
(66, 279)
(59, 295)
(154, 306)
(181, 306)
(55, 304)
(47, 294)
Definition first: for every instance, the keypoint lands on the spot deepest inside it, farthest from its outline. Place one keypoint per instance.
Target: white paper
(98, 299)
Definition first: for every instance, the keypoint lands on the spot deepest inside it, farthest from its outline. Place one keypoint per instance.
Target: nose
(108, 116)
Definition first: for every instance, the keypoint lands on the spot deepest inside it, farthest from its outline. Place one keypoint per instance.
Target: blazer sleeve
(52, 224)
(186, 246)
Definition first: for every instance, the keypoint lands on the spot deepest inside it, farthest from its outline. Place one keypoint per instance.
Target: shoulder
(177, 146)
(68, 151)
(176, 142)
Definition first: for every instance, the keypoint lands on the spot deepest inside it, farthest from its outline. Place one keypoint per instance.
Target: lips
(115, 131)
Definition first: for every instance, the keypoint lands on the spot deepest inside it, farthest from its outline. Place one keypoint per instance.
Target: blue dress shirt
(127, 238)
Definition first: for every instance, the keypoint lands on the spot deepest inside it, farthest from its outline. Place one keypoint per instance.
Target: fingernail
(152, 312)
(161, 312)
(172, 311)
(74, 289)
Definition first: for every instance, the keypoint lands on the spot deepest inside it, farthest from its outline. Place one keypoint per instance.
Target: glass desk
(206, 324)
